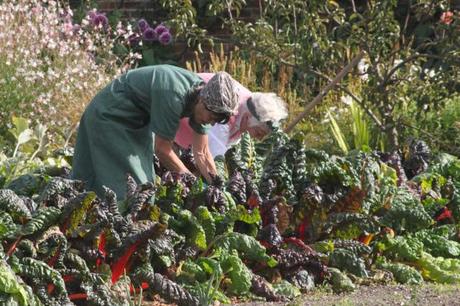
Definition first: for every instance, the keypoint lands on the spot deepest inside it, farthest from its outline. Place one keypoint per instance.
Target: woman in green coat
(138, 114)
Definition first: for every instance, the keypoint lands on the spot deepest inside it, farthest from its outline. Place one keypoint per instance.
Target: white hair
(269, 107)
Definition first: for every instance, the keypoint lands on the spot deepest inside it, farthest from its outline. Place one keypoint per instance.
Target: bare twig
(353, 5)
(406, 22)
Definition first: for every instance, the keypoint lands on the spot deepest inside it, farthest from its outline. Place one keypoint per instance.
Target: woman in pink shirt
(254, 113)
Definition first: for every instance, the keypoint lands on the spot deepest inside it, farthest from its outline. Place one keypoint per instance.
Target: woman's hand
(203, 157)
(168, 158)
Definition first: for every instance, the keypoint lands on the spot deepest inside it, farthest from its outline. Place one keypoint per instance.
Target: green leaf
(346, 260)
(206, 220)
(20, 125)
(438, 245)
(210, 265)
(186, 224)
(43, 218)
(10, 285)
(238, 273)
(403, 248)
(247, 246)
(79, 213)
(435, 269)
(34, 268)
(406, 213)
(338, 135)
(191, 272)
(14, 205)
(241, 213)
(24, 136)
(403, 274)
(325, 246)
(340, 281)
(7, 226)
(286, 289)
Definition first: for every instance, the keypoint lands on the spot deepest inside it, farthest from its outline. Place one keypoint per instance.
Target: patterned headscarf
(219, 94)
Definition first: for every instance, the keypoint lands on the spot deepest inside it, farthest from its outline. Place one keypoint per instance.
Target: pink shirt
(220, 136)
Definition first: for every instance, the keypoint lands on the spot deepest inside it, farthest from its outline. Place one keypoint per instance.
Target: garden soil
(427, 294)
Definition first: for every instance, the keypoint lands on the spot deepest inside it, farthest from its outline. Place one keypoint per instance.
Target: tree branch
(324, 91)
(433, 137)
(354, 97)
(406, 23)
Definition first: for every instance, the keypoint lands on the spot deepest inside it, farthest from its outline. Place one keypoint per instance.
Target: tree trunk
(392, 136)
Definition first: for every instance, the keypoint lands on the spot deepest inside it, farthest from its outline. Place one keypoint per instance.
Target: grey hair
(267, 107)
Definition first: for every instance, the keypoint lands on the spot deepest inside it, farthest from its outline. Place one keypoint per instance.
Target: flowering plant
(153, 42)
(51, 67)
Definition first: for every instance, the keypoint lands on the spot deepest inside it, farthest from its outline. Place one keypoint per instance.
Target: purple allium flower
(160, 29)
(165, 38)
(150, 34)
(142, 24)
(100, 20)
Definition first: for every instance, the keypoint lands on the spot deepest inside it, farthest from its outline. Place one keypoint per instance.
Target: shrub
(50, 67)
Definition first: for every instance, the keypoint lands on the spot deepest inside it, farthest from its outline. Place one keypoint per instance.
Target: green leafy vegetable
(14, 205)
(42, 219)
(286, 289)
(340, 281)
(7, 226)
(440, 270)
(346, 260)
(238, 273)
(10, 285)
(404, 274)
(246, 245)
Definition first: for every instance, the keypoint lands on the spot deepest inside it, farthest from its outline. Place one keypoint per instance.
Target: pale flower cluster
(50, 68)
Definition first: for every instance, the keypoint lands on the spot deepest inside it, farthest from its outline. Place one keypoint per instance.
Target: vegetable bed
(279, 220)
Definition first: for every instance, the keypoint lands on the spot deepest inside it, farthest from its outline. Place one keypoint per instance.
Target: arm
(203, 157)
(165, 152)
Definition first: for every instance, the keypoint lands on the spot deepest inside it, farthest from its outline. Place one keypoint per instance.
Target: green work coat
(117, 130)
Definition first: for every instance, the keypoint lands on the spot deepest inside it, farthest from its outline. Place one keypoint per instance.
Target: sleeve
(165, 112)
(199, 128)
(218, 137)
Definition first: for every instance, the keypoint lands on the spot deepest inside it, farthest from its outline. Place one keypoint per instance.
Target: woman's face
(258, 132)
(202, 115)
(256, 129)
